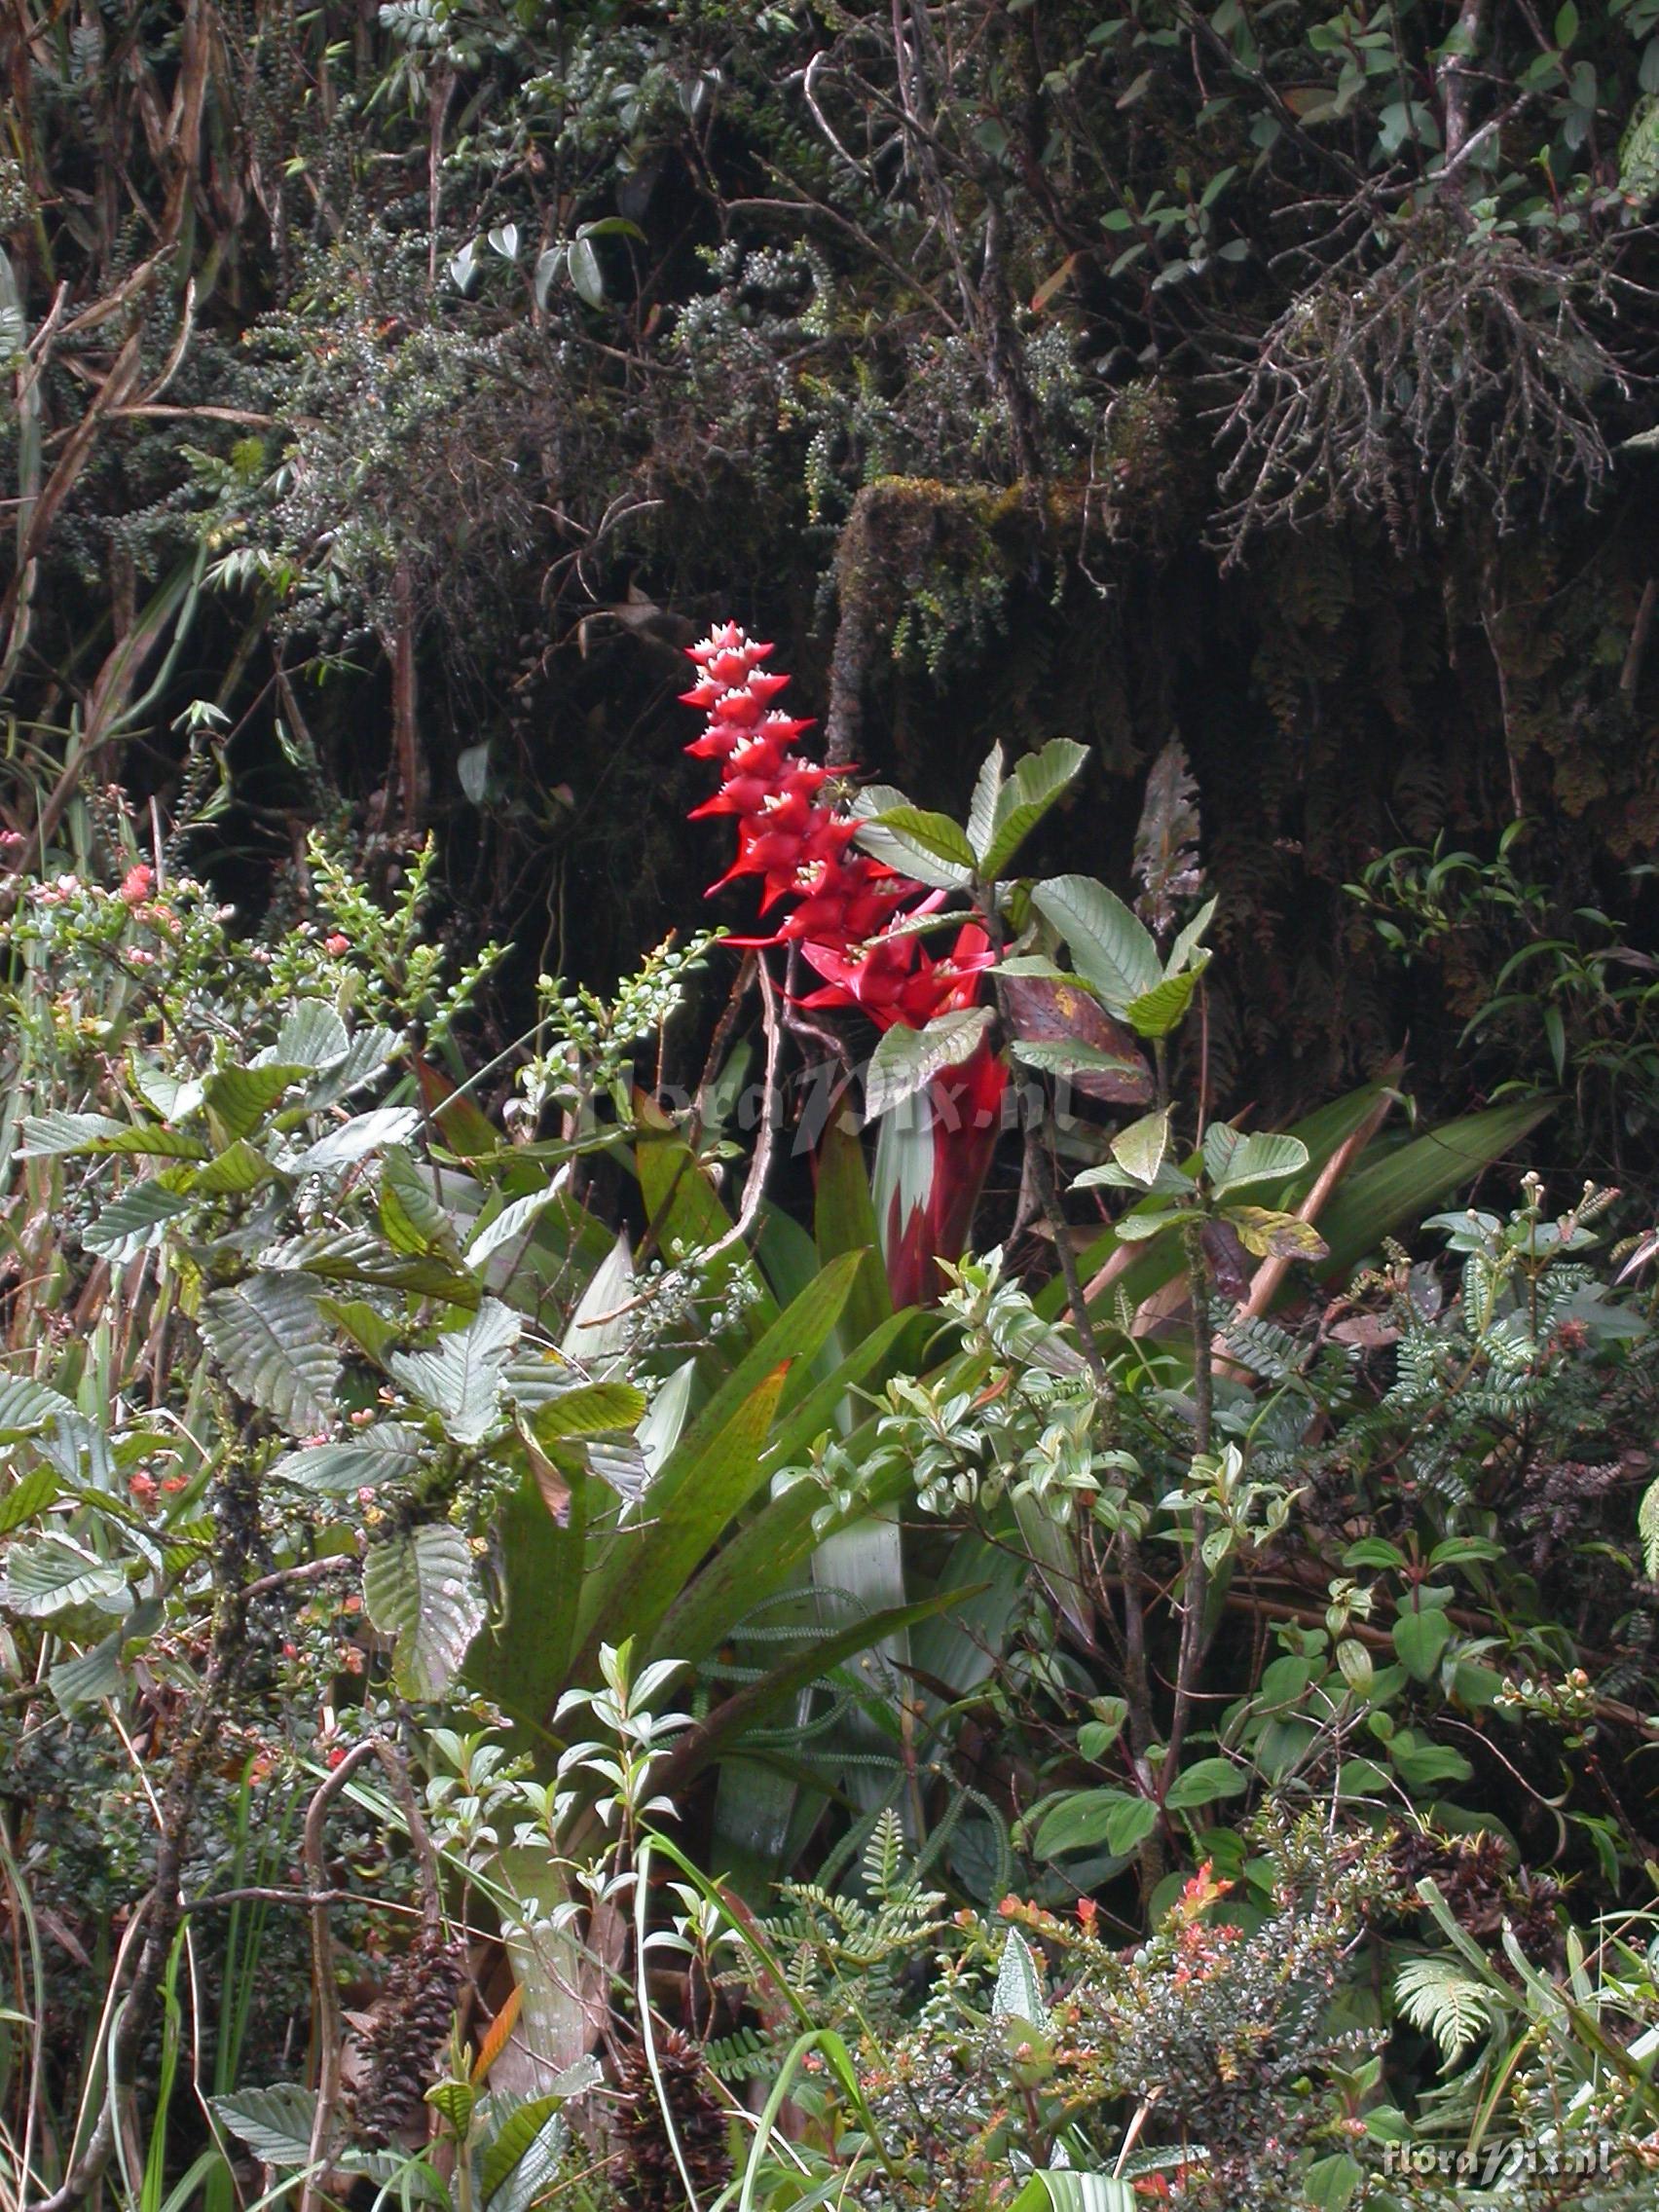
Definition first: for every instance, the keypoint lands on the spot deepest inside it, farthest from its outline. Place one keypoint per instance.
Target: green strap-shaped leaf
(755, 1562)
(648, 1568)
(844, 1221)
(1061, 2191)
(521, 1664)
(793, 1342)
(755, 1701)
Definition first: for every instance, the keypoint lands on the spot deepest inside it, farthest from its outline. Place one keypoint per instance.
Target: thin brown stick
(325, 1995)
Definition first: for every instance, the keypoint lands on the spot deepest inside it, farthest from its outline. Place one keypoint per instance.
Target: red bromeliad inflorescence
(842, 908)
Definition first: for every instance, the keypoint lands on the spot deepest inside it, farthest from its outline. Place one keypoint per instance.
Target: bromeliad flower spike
(843, 905)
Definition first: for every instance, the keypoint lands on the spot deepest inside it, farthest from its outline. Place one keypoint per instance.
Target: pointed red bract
(843, 905)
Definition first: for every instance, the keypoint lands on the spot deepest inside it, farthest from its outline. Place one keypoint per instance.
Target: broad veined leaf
(597, 1329)
(1140, 1227)
(46, 1136)
(1188, 950)
(54, 1426)
(411, 1214)
(590, 1409)
(906, 1060)
(239, 1099)
(240, 1167)
(358, 1255)
(50, 1573)
(982, 806)
(364, 1058)
(28, 1497)
(274, 2123)
(1204, 1782)
(174, 1097)
(1110, 948)
(132, 1222)
(1086, 1819)
(1018, 1993)
(619, 1461)
(1232, 1161)
(527, 2123)
(389, 1452)
(421, 1588)
(1419, 1637)
(1061, 1028)
(87, 1678)
(535, 1374)
(461, 1376)
(936, 833)
(1156, 1012)
(1036, 784)
(356, 1139)
(1141, 1149)
(365, 1325)
(1276, 1236)
(1170, 1181)
(456, 2101)
(275, 1347)
(512, 1221)
(312, 1036)
(897, 850)
(586, 277)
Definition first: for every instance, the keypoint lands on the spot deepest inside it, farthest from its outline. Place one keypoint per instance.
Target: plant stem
(1196, 1587)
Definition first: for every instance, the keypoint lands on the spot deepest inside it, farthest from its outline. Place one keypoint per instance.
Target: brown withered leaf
(1047, 1013)
(1229, 1265)
(1166, 841)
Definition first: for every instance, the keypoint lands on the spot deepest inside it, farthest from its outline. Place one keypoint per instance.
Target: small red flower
(136, 884)
(337, 944)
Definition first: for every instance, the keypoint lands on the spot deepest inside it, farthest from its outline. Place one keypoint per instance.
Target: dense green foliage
(395, 391)
(571, 1631)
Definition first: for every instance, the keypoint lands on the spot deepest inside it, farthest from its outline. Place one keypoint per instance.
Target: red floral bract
(843, 909)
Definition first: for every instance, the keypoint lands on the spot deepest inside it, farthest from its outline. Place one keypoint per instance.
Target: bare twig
(325, 1995)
